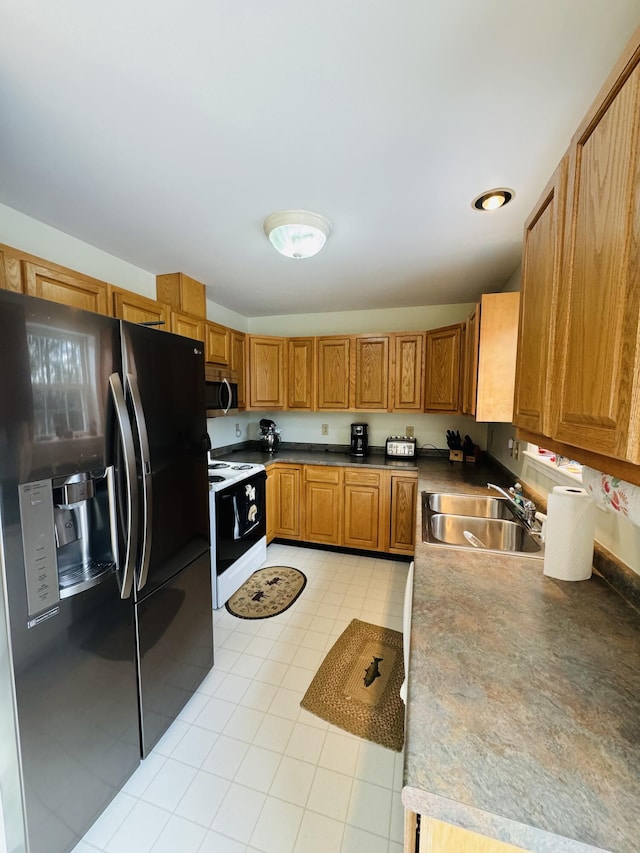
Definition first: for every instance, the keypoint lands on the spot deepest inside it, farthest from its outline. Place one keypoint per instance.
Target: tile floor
(244, 768)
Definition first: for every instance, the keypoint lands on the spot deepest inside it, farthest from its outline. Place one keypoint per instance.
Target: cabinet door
(438, 837)
(404, 491)
(371, 373)
(599, 299)
(187, 326)
(471, 343)
(218, 344)
(322, 504)
(497, 356)
(541, 264)
(408, 375)
(442, 369)
(288, 516)
(334, 359)
(302, 374)
(266, 373)
(183, 293)
(237, 364)
(10, 272)
(362, 506)
(69, 288)
(139, 309)
(270, 501)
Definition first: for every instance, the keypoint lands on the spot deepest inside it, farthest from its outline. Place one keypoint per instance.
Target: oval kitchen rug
(267, 592)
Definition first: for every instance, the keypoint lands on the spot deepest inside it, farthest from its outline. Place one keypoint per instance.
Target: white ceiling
(164, 131)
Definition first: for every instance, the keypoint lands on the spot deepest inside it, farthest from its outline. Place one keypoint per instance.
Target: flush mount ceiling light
(493, 199)
(297, 233)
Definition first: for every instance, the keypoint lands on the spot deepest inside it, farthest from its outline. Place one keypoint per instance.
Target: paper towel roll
(570, 531)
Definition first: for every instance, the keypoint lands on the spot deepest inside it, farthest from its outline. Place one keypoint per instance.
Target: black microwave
(221, 391)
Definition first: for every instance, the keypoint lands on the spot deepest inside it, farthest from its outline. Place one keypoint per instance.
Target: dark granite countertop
(317, 457)
(523, 718)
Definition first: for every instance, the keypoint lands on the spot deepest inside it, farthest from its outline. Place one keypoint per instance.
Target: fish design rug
(267, 592)
(357, 686)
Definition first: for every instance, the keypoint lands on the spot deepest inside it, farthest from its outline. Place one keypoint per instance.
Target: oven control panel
(400, 445)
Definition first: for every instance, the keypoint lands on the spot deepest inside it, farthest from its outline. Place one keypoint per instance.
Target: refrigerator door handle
(128, 452)
(145, 459)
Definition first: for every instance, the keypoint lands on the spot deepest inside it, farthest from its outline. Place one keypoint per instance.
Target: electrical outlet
(238, 431)
(409, 431)
(325, 429)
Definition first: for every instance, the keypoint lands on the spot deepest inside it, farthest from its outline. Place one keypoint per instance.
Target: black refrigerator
(105, 623)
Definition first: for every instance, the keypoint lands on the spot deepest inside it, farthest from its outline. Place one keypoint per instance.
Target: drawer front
(322, 474)
(361, 478)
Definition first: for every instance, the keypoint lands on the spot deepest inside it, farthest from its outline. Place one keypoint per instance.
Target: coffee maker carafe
(359, 440)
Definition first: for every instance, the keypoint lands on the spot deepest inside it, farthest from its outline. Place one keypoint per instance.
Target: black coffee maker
(359, 440)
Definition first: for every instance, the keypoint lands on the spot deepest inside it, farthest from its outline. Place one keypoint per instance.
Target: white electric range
(237, 516)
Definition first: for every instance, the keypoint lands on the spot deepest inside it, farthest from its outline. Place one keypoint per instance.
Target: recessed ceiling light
(493, 199)
(297, 233)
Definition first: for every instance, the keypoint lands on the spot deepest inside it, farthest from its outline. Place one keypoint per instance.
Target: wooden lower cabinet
(438, 837)
(404, 492)
(365, 508)
(287, 517)
(323, 495)
(270, 498)
(363, 526)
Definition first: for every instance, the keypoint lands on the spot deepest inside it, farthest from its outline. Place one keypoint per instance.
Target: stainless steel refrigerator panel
(39, 546)
(175, 636)
(165, 382)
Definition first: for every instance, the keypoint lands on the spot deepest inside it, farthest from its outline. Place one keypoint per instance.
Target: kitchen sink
(482, 523)
(475, 505)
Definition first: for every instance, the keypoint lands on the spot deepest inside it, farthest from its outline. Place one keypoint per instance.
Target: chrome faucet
(523, 507)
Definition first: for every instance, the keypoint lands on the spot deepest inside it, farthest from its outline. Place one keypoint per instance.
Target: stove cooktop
(223, 474)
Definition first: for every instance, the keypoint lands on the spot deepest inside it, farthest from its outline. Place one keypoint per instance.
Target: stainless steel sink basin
(482, 523)
(476, 505)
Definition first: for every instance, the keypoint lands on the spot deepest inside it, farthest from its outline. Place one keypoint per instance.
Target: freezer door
(175, 638)
(164, 379)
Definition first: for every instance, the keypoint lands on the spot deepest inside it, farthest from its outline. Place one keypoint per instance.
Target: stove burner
(219, 465)
(215, 478)
(241, 467)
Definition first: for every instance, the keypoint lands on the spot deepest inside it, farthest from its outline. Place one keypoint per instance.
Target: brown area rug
(267, 592)
(357, 687)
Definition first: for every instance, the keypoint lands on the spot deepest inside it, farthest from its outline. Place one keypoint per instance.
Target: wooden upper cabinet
(238, 364)
(470, 366)
(408, 373)
(266, 372)
(140, 309)
(334, 360)
(443, 354)
(596, 350)
(218, 344)
(187, 326)
(541, 264)
(183, 293)
(371, 373)
(10, 271)
(68, 288)
(498, 341)
(301, 386)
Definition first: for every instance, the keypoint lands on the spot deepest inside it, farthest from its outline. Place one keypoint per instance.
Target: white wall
(306, 428)
(366, 320)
